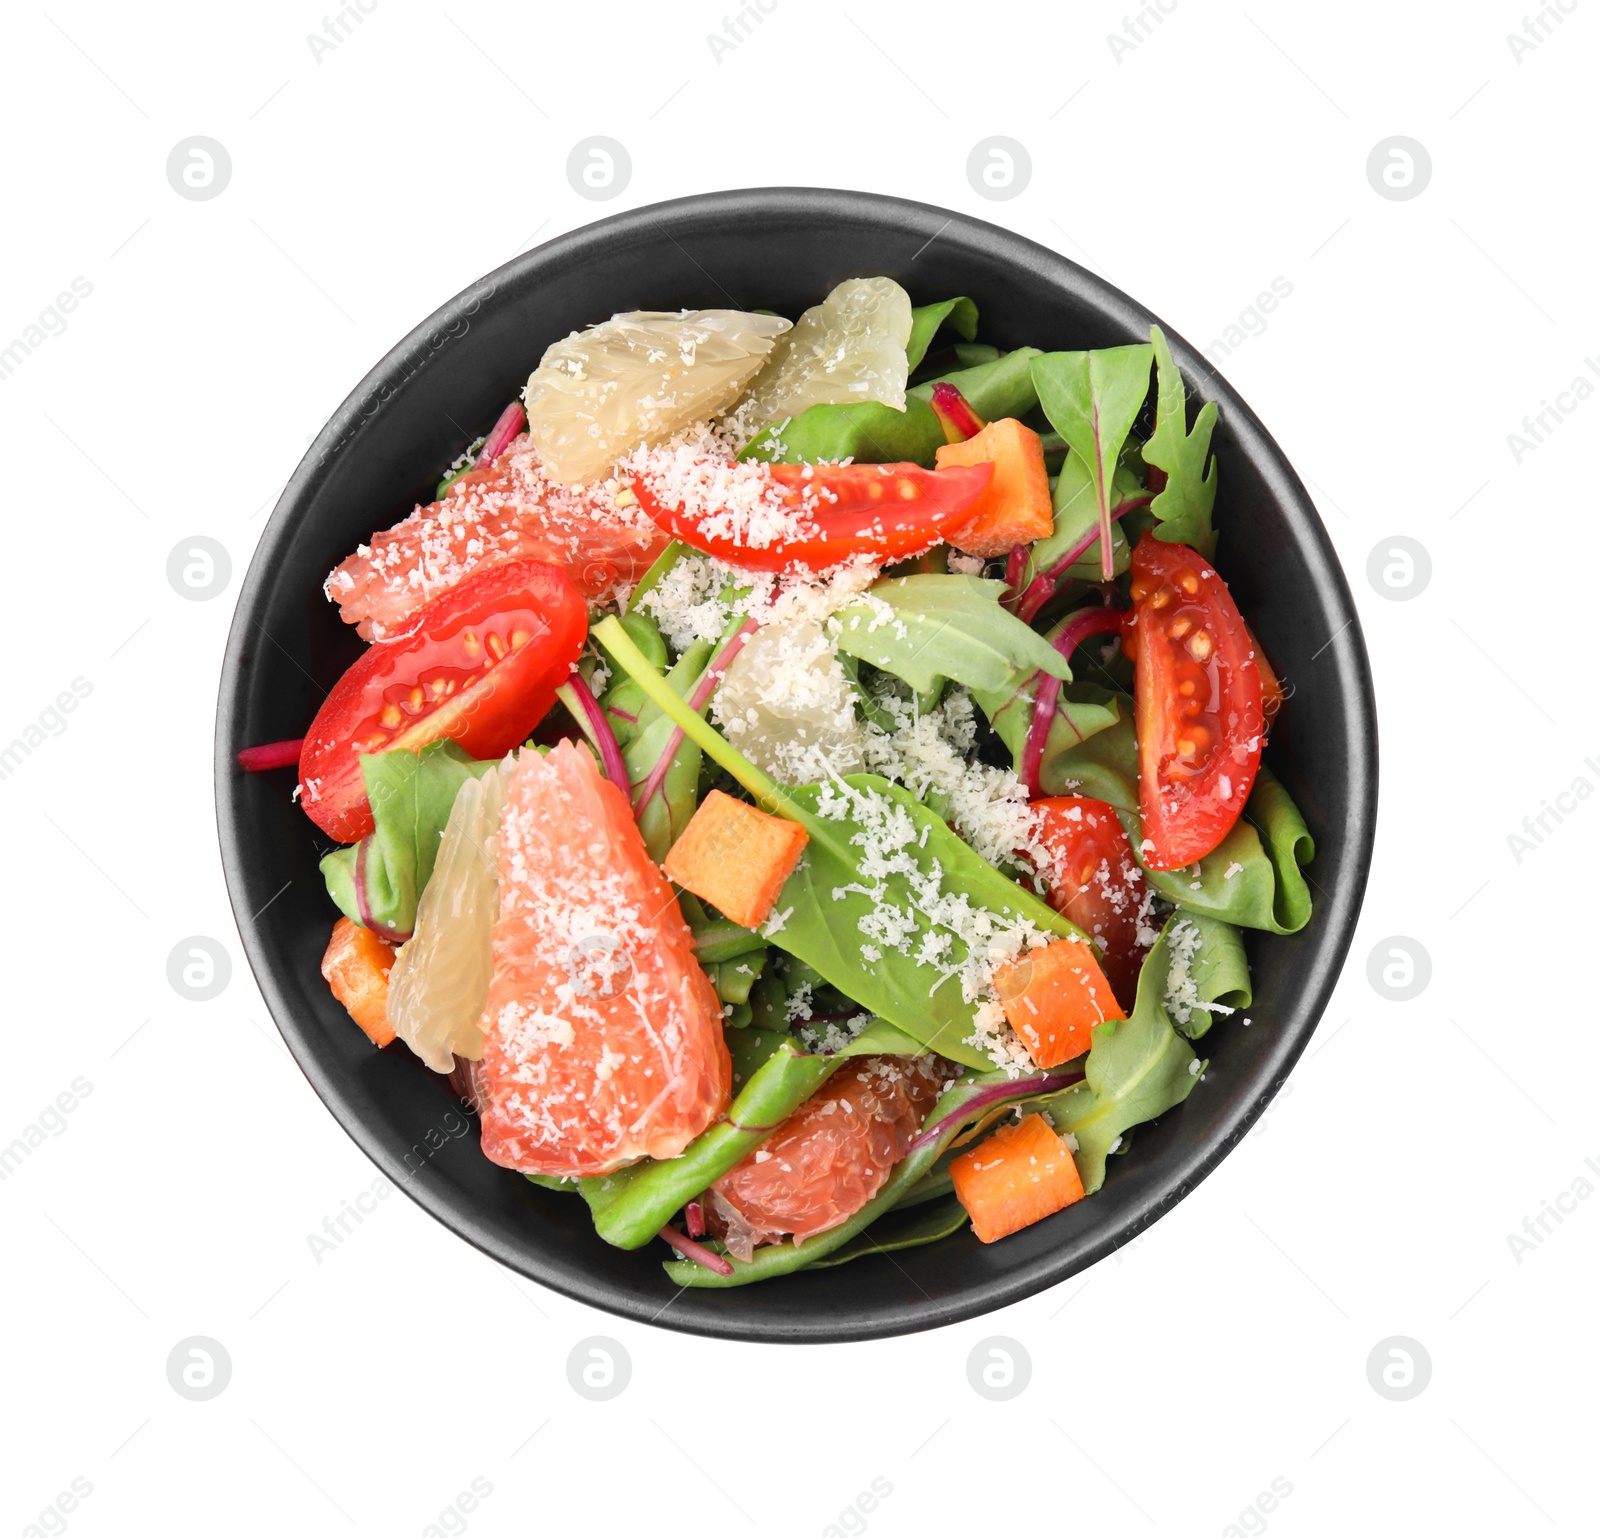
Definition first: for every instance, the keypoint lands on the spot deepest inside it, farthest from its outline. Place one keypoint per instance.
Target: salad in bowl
(805, 784)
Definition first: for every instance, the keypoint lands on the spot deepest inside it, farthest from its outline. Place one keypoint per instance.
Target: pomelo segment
(848, 349)
(441, 976)
(637, 379)
(602, 1036)
(508, 511)
(831, 1157)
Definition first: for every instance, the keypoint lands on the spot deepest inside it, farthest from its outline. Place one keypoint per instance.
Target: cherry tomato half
(1096, 882)
(479, 664)
(1197, 704)
(888, 512)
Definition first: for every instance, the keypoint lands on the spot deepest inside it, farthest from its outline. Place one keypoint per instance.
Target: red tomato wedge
(1096, 882)
(822, 515)
(1197, 704)
(479, 664)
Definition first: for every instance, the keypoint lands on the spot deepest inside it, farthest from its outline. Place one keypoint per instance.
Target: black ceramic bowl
(778, 248)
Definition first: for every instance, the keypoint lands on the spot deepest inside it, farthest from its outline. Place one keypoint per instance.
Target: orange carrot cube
(1054, 997)
(356, 965)
(1016, 1176)
(736, 857)
(1015, 509)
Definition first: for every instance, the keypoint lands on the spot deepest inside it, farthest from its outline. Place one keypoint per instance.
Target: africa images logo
(51, 321)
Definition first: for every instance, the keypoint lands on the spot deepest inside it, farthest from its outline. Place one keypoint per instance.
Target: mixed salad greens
(805, 784)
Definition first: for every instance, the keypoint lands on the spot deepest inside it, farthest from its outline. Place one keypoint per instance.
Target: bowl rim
(1188, 1166)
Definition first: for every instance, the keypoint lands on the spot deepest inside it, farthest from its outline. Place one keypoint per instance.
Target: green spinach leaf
(662, 564)
(1003, 388)
(673, 803)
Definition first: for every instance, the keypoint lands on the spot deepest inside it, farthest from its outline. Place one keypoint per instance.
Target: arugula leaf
(1092, 399)
(839, 882)
(877, 434)
(411, 796)
(945, 627)
(1183, 507)
(961, 315)
(1137, 1069)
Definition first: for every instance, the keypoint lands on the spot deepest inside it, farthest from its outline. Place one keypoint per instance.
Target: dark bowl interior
(779, 248)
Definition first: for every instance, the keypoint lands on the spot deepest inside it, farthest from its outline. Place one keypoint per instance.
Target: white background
(1174, 1382)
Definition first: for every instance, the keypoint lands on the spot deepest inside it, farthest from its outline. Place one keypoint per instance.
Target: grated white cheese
(987, 806)
(886, 835)
(1183, 999)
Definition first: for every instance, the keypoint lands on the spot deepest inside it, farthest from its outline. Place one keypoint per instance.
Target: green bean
(723, 940)
(733, 980)
(630, 1207)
